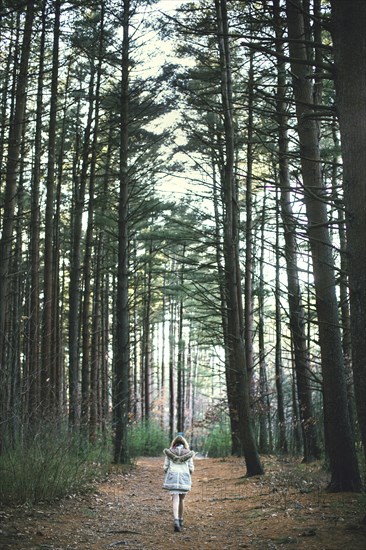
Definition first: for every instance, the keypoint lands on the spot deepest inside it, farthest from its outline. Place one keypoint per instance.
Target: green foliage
(218, 442)
(147, 439)
(50, 467)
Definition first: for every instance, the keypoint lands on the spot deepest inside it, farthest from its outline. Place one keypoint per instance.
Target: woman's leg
(181, 509)
(176, 501)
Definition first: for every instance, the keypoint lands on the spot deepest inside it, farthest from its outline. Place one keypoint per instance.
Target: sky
(160, 52)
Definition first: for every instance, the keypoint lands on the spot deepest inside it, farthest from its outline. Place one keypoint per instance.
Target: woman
(178, 466)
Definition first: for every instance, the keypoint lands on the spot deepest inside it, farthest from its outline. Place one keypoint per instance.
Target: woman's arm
(166, 464)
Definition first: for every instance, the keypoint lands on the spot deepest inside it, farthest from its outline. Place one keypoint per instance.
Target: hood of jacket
(179, 454)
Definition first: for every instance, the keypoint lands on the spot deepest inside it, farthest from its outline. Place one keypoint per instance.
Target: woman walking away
(178, 466)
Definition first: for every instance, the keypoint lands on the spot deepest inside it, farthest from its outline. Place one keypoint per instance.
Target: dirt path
(285, 508)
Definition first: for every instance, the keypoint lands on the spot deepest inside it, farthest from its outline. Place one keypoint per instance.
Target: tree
(349, 40)
(34, 306)
(295, 301)
(17, 123)
(121, 452)
(48, 373)
(338, 433)
(234, 313)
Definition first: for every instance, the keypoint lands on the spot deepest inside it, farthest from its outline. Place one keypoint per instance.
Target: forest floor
(287, 507)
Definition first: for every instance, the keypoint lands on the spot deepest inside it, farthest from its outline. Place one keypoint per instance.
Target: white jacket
(178, 466)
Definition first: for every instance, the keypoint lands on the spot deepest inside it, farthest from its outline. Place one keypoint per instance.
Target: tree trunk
(236, 348)
(171, 368)
(95, 355)
(338, 433)
(34, 315)
(105, 414)
(297, 314)
(229, 375)
(296, 438)
(180, 357)
(75, 411)
(8, 93)
(343, 278)
(162, 365)
(94, 99)
(122, 362)
(146, 335)
(10, 196)
(282, 444)
(248, 275)
(16, 376)
(348, 31)
(262, 389)
(134, 347)
(48, 355)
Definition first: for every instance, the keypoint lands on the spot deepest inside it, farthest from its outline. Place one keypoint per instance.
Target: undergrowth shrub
(147, 439)
(218, 442)
(50, 467)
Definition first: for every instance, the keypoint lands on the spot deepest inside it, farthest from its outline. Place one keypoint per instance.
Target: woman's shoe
(177, 525)
(181, 523)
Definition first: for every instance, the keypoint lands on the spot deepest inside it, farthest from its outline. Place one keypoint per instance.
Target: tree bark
(77, 410)
(34, 314)
(338, 433)
(248, 274)
(236, 348)
(180, 357)
(94, 99)
(229, 375)
(349, 39)
(146, 335)
(282, 444)
(48, 356)
(263, 447)
(10, 197)
(122, 363)
(296, 308)
(171, 367)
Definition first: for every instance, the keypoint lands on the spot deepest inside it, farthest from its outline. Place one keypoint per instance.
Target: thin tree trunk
(57, 297)
(297, 314)
(7, 93)
(47, 373)
(296, 438)
(87, 298)
(189, 390)
(86, 302)
(95, 356)
(34, 314)
(10, 196)
(282, 444)
(171, 369)
(248, 275)
(163, 391)
(146, 336)
(180, 357)
(236, 347)
(134, 390)
(263, 390)
(105, 414)
(122, 363)
(75, 293)
(15, 316)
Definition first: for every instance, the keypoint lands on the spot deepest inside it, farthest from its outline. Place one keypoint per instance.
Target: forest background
(181, 240)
